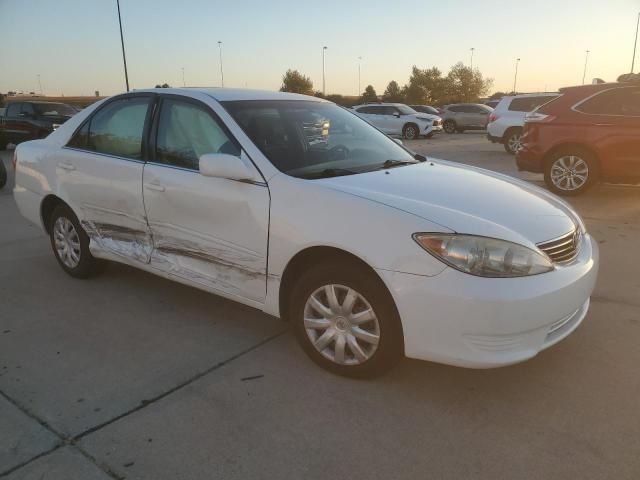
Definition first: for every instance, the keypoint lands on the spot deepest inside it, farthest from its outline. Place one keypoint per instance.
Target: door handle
(66, 166)
(154, 186)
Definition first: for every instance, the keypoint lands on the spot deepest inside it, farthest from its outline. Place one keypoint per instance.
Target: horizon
(552, 50)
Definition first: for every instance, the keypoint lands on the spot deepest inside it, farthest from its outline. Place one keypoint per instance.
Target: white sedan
(295, 206)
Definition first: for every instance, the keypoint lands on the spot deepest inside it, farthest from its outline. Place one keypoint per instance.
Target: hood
(426, 116)
(465, 200)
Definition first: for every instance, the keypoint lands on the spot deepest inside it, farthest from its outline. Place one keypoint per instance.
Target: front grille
(563, 249)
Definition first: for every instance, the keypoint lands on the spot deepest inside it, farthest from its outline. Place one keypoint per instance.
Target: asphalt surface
(131, 376)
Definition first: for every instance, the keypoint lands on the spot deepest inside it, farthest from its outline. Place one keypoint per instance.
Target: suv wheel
(70, 244)
(513, 141)
(449, 126)
(346, 321)
(571, 172)
(411, 131)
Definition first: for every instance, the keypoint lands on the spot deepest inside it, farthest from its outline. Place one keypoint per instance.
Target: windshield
(53, 109)
(405, 110)
(306, 138)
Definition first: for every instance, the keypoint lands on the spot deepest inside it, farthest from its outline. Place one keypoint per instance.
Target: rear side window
(457, 108)
(528, 104)
(116, 129)
(187, 131)
(365, 110)
(618, 101)
(13, 109)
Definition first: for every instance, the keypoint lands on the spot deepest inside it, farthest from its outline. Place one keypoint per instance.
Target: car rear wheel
(346, 321)
(70, 244)
(513, 141)
(571, 172)
(411, 131)
(450, 126)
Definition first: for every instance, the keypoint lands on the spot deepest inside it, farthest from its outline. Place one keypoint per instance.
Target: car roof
(233, 94)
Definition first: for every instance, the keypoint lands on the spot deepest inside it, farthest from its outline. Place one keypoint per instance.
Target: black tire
(450, 126)
(512, 140)
(553, 166)
(87, 265)
(3, 174)
(390, 346)
(411, 131)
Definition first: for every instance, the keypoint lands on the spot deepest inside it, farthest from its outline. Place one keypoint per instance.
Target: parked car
(295, 206)
(24, 121)
(400, 120)
(426, 109)
(507, 119)
(587, 134)
(459, 117)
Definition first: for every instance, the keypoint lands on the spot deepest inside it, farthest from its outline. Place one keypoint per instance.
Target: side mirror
(397, 115)
(223, 165)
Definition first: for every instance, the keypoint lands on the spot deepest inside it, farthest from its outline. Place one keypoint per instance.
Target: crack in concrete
(72, 441)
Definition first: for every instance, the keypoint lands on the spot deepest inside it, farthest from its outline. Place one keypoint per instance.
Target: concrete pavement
(132, 376)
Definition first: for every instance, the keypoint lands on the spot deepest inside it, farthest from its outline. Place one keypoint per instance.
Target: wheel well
(47, 206)
(410, 123)
(508, 132)
(574, 146)
(310, 257)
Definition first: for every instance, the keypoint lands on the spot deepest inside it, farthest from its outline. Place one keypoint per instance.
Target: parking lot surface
(131, 376)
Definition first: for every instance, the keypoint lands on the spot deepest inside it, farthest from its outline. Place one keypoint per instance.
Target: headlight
(483, 256)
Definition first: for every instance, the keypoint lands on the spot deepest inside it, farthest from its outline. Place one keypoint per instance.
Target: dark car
(589, 133)
(426, 109)
(24, 121)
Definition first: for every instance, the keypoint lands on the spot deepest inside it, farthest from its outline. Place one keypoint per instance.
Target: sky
(74, 45)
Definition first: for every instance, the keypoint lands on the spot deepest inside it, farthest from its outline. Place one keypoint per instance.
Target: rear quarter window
(528, 104)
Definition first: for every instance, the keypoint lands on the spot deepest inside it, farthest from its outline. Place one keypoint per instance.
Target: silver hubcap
(569, 172)
(410, 132)
(515, 142)
(341, 325)
(67, 242)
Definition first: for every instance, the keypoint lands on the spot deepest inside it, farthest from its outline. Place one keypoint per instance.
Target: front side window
(115, 129)
(27, 109)
(310, 139)
(187, 131)
(618, 101)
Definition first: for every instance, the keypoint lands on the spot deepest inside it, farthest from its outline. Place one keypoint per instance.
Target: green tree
(466, 85)
(393, 93)
(369, 95)
(295, 82)
(425, 86)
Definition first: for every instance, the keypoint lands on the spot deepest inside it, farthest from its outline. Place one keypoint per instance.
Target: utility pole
(359, 61)
(324, 49)
(586, 59)
(124, 57)
(635, 44)
(472, 49)
(515, 78)
(221, 70)
(183, 84)
(40, 84)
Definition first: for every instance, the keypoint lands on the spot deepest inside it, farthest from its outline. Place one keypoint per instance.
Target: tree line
(425, 87)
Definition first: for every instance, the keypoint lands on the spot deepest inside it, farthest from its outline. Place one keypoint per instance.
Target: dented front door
(211, 231)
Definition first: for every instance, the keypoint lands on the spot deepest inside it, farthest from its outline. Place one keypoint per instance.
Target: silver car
(459, 117)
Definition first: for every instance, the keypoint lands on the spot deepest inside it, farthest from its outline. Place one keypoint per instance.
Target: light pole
(221, 71)
(635, 44)
(124, 57)
(40, 84)
(359, 61)
(586, 59)
(472, 49)
(183, 84)
(515, 78)
(324, 49)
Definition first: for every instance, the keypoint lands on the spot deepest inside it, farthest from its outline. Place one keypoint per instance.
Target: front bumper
(475, 322)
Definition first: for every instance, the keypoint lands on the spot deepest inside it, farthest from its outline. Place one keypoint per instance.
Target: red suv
(589, 133)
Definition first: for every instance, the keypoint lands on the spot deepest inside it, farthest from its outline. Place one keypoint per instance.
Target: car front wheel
(410, 132)
(346, 321)
(571, 172)
(70, 244)
(513, 142)
(450, 126)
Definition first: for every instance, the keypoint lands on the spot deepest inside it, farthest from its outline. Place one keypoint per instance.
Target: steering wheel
(339, 152)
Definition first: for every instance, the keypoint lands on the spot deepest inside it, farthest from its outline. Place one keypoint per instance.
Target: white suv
(507, 120)
(399, 119)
